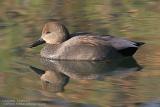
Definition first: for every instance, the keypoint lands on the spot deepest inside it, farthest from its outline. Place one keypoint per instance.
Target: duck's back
(84, 52)
(90, 47)
(85, 48)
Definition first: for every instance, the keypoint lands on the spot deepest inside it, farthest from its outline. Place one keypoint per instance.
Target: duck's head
(52, 33)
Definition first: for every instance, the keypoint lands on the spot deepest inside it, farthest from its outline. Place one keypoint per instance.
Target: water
(131, 82)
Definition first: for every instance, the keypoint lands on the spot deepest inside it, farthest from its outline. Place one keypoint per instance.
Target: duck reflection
(56, 74)
(52, 79)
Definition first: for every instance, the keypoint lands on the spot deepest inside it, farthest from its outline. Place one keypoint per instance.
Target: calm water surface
(26, 78)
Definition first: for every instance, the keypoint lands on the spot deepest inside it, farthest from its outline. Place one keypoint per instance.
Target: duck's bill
(37, 42)
(37, 70)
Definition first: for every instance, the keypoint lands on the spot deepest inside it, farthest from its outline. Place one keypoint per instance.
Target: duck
(61, 45)
(51, 79)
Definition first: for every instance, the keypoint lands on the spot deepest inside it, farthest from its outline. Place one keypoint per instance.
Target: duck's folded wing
(85, 48)
(93, 44)
(125, 47)
(89, 39)
(119, 43)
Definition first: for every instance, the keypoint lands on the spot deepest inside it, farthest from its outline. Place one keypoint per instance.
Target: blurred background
(21, 22)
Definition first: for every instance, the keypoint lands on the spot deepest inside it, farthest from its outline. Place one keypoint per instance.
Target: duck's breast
(49, 51)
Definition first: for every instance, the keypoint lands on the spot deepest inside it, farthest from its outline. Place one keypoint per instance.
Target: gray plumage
(83, 46)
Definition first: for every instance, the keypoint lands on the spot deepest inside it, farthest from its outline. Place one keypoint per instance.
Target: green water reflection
(21, 22)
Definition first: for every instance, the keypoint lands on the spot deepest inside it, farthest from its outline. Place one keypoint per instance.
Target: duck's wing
(117, 42)
(124, 46)
(93, 47)
(88, 47)
(90, 39)
(121, 43)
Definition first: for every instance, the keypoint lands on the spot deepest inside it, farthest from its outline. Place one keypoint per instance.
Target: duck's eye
(48, 32)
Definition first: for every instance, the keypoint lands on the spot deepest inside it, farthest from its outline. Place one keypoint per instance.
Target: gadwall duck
(61, 45)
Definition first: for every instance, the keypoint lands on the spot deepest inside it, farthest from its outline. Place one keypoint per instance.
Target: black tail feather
(139, 43)
(131, 50)
(128, 51)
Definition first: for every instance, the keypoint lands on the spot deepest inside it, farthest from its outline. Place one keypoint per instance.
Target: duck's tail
(138, 43)
(131, 50)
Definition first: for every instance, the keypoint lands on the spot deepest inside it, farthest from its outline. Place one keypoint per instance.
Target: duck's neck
(66, 33)
(51, 45)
